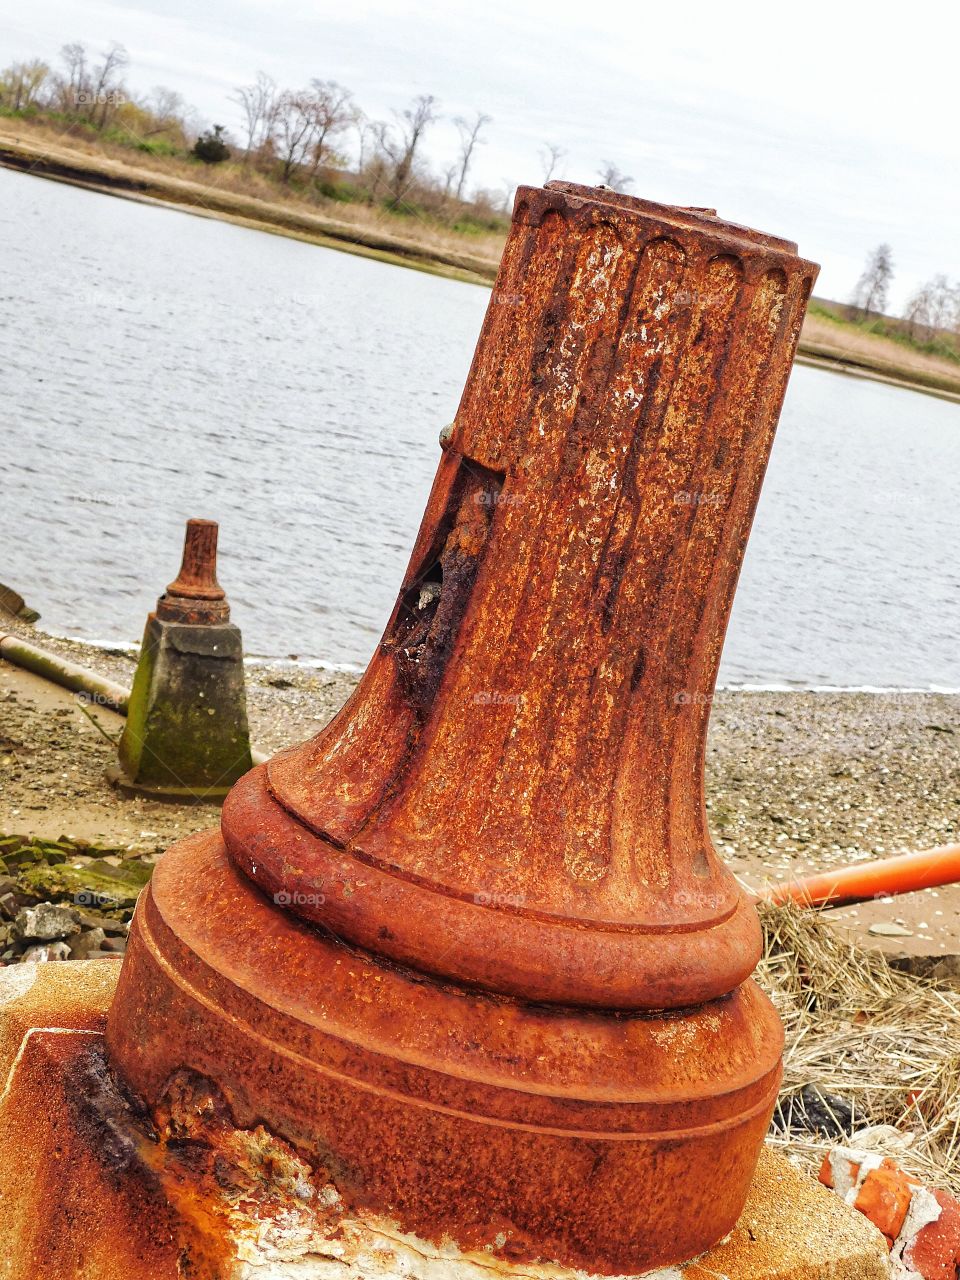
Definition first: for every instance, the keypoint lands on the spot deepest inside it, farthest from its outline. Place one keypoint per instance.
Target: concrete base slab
(90, 1186)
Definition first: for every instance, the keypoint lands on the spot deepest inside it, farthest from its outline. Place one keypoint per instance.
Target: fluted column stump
(186, 734)
(470, 951)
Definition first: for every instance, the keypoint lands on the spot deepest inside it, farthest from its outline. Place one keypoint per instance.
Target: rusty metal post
(186, 734)
(526, 1020)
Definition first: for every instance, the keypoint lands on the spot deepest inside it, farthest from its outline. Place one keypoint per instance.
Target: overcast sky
(823, 122)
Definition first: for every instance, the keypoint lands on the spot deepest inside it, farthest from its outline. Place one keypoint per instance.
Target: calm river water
(158, 365)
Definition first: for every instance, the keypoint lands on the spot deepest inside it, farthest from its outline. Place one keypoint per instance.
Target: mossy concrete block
(186, 732)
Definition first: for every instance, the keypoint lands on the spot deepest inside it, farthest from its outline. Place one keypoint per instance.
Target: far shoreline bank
(822, 348)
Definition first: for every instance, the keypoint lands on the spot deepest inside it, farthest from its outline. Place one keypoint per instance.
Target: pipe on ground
(883, 878)
(98, 689)
(70, 675)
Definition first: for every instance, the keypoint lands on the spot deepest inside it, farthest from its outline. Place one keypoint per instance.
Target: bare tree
(933, 309)
(551, 156)
(470, 139)
(107, 91)
(22, 84)
(293, 130)
(870, 294)
(449, 182)
(372, 161)
(258, 101)
(333, 113)
(306, 122)
(93, 93)
(366, 136)
(74, 86)
(167, 108)
(944, 303)
(610, 176)
(402, 151)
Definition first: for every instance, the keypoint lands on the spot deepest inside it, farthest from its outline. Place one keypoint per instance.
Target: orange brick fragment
(935, 1253)
(884, 1198)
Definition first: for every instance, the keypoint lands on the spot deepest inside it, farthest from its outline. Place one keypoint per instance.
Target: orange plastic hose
(881, 879)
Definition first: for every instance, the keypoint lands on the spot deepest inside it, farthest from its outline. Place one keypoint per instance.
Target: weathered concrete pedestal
(186, 735)
(91, 1187)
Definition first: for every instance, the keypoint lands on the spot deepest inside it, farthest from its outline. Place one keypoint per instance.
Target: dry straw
(883, 1039)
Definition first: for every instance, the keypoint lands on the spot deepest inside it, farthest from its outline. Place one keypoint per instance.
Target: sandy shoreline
(796, 780)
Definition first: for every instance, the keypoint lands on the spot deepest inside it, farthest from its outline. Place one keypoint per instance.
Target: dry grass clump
(885, 1040)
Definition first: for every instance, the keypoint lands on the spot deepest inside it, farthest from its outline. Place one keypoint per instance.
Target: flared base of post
(118, 778)
(534, 1132)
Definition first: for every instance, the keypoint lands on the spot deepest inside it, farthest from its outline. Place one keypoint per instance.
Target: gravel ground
(796, 781)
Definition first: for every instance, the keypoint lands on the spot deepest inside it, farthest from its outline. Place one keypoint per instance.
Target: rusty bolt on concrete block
(501, 986)
(186, 734)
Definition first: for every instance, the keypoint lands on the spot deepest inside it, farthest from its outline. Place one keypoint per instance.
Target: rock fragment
(46, 922)
(45, 951)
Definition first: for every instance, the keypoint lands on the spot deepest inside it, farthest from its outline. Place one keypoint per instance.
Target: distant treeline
(931, 317)
(315, 141)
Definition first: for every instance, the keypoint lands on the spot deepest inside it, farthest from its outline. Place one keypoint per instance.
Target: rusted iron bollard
(195, 595)
(186, 734)
(527, 1021)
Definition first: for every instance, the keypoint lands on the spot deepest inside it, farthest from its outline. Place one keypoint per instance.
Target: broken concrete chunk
(46, 922)
(921, 1225)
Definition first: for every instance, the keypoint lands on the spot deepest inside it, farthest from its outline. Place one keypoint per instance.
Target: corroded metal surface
(514, 795)
(613, 1143)
(91, 1186)
(195, 595)
(526, 1021)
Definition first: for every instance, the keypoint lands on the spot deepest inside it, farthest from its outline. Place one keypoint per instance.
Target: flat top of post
(197, 579)
(698, 219)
